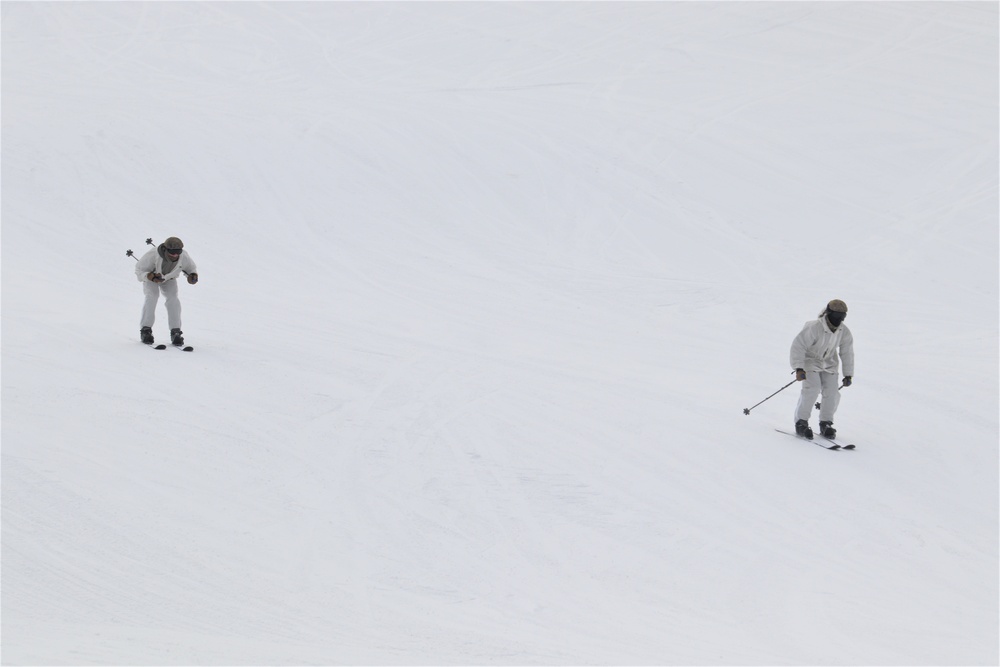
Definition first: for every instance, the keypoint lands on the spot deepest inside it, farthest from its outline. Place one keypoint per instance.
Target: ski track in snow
(485, 288)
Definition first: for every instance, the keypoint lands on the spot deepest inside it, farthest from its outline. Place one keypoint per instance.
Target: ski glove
(800, 375)
(154, 277)
(847, 380)
(192, 278)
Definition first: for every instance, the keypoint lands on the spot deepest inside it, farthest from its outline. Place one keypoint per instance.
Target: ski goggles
(174, 251)
(835, 317)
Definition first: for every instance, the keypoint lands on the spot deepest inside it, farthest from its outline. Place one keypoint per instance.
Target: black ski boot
(802, 429)
(146, 335)
(176, 338)
(827, 430)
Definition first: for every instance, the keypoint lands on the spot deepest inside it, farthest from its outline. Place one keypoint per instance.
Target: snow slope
(485, 289)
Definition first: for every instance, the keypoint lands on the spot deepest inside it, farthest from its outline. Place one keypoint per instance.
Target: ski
(161, 346)
(834, 446)
(847, 447)
(834, 441)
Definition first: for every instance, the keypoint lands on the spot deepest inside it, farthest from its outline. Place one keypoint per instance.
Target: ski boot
(802, 429)
(827, 430)
(176, 338)
(146, 335)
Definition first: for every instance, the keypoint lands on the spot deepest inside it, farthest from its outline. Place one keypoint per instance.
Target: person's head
(836, 312)
(172, 247)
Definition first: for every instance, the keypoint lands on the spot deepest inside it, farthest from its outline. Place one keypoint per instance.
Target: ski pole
(129, 253)
(746, 411)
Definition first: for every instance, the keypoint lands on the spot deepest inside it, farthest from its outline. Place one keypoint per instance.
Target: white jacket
(153, 261)
(817, 345)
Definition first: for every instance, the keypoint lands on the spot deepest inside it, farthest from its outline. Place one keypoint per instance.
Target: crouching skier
(157, 271)
(817, 353)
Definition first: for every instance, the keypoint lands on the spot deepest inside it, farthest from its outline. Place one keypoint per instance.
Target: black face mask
(835, 318)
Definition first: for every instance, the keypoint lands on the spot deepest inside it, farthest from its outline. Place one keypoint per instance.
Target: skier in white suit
(157, 270)
(817, 354)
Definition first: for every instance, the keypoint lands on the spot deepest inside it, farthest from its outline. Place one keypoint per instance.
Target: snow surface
(485, 288)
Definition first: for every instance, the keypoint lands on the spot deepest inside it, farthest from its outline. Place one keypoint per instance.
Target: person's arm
(145, 266)
(847, 356)
(189, 268)
(802, 342)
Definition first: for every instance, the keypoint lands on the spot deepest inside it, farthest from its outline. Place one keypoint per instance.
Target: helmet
(173, 243)
(836, 312)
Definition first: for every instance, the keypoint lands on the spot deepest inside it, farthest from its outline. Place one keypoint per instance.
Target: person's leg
(152, 295)
(811, 387)
(169, 289)
(831, 397)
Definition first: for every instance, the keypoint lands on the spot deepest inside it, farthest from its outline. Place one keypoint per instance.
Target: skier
(814, 357)
(157, 271)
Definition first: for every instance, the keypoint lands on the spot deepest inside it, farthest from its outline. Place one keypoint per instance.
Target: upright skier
(814, 356)
(157, 271)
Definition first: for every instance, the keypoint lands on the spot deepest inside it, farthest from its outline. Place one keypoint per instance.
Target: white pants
(152, 291)
(815, 383)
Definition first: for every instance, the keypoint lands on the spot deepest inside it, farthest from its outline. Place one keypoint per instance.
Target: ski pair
(161, 346)
(834, 445)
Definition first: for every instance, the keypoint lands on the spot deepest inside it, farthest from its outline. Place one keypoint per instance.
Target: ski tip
(161, 346)
(187, 348)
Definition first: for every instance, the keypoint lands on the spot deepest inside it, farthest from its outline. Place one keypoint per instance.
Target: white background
(485, 288)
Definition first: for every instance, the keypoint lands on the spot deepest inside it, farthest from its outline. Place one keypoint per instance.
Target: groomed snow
(485, 288)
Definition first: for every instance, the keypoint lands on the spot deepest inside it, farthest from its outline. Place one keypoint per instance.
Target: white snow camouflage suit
(154, 261)
(819, 350)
